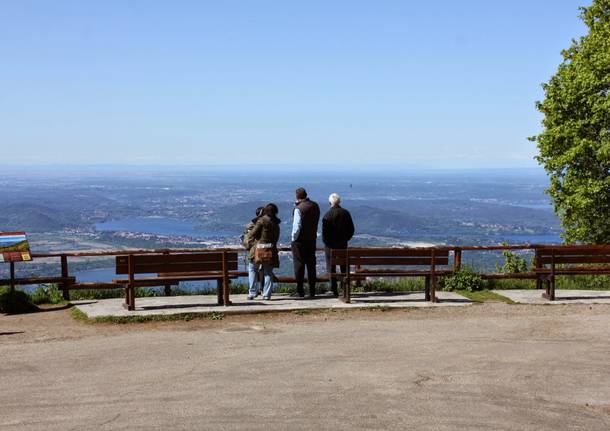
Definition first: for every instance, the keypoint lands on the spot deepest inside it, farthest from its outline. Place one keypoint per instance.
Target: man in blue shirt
(304, 234)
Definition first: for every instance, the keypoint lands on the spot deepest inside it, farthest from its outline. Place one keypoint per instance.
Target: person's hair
(259, 211)
(301, 193)
(271, 210)
(334, 199)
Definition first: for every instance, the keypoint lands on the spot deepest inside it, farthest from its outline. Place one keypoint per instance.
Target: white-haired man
(337, 230)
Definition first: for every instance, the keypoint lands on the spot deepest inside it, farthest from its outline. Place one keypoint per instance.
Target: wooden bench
(392, 262)
(551, 261)
(167, 269)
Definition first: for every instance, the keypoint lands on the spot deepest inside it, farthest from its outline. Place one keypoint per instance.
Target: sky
(277, 83)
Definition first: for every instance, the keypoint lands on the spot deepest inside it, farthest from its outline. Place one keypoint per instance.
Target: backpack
(246, 241)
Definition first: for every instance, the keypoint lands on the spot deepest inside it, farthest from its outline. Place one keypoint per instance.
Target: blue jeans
(253, 269)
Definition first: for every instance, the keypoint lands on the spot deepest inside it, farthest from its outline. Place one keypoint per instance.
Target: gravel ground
(489, 366)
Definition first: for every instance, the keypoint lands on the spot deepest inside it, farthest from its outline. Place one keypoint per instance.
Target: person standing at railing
(304, 234)
(337, 230)
(248, 243)
(263, 254)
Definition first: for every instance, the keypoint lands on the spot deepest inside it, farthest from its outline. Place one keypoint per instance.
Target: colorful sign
(14, 247)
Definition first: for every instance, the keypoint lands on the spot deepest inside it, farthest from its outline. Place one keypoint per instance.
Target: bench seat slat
(410, 261)
(179, 267)
(159, 281)
(388, 252)
(561, 259)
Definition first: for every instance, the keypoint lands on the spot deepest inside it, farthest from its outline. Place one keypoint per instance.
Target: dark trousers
(332, 269)
(304, 255)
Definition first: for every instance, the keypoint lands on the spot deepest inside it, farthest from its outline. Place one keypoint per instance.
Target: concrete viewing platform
(534, 296)
(175, 305)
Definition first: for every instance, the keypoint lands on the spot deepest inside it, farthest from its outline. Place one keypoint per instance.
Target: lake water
(160, 226)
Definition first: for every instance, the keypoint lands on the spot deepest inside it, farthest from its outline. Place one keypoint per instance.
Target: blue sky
(420, 84)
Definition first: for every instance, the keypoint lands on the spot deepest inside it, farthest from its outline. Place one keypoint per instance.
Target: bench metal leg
(346, 295)
(427, 288)
(168, 290)
(220, 292)
(130, 299)
(549, 288)
(433, 289)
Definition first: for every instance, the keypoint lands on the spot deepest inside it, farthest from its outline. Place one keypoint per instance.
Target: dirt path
(491, 366)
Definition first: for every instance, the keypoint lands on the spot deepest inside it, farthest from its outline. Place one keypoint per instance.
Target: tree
(574, 146)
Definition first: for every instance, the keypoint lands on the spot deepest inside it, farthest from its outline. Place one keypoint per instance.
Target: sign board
(14, 247)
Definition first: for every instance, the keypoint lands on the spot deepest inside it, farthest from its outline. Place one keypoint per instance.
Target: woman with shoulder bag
(264, 254)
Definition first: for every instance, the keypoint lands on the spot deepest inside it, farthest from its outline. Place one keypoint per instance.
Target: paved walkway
(207, 304)
(533, 296)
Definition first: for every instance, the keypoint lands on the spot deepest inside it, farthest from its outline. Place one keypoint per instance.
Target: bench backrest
(390, 256)
(571, 254)
(177, 263)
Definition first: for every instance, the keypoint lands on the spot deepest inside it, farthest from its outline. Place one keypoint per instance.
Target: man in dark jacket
(304, 234)
(337, 230)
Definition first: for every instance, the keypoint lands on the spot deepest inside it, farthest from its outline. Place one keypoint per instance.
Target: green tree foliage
(574, 146)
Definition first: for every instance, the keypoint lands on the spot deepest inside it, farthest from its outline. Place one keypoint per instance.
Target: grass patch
(379, 308)
(79, 315)
(302, 312)
(484, 295)
(185, 317)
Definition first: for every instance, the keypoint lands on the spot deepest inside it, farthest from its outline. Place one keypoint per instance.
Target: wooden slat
(96, 286)
(389, 272)
(545, 260)
(582, 270)
(181, 257)
(160, 281)
(38, 280)
(399, 252)
(403, 261)
(590, 250)
(510, 276)
(144, 264)
(177, 267)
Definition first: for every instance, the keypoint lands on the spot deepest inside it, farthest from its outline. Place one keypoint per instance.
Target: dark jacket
(310, 217)
(337, 227)
(266, 230)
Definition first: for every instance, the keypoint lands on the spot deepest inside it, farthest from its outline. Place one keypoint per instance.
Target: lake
(160, 226)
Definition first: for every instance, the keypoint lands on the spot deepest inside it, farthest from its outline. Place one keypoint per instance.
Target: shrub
(46, 294)
(464, 279)
(15, 302)
(513, 263)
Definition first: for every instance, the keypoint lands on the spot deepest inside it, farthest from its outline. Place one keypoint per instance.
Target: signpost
(14, 247)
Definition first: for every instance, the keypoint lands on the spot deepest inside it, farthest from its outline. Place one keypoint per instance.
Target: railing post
(168, 287)
(552, 292)
(64, 274)
(348, 280)
(130, 300)
(457, 259)
(225, 280)
(433, 276)
(12, 281)
(538, 267)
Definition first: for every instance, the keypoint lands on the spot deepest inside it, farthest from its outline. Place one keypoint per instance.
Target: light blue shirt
(296, 224)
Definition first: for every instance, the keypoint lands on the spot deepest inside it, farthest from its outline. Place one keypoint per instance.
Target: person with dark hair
(247, 241)
(263, 253)
(337, 230)
(304, 234)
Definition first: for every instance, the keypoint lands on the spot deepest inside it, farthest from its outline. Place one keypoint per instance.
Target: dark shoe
(297, 295)
(310, 296)
(334, 294)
